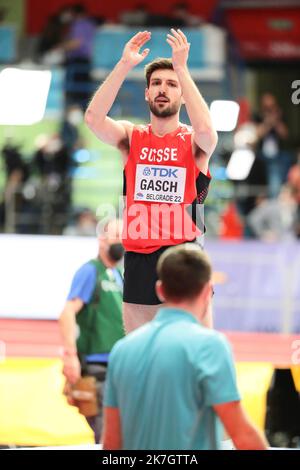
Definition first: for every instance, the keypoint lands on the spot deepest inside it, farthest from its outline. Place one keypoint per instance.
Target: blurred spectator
(15, 167)
(52, 161)
(135, 17)
(69, 132)
(271, 133)
(49, 46)
(52, 158)
(78, 50)
(159, 20)
(294, 178)
(91, 322)
(294, 181)
(247, 188)
(181, 17)
(274, 219)
(86, 224)
(2, 14)
(14, 203)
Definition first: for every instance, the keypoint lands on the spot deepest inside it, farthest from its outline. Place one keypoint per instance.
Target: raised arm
(205, 136)
(105, 128)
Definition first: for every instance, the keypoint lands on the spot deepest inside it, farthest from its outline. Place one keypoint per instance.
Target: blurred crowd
(67, 40)
(37, 195)
(264, 204)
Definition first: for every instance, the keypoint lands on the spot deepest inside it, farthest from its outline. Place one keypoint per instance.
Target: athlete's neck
(163, 126)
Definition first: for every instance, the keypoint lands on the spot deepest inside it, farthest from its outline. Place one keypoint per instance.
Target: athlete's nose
(163, 88)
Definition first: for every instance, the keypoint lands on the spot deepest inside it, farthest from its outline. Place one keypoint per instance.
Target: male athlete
(166, 171)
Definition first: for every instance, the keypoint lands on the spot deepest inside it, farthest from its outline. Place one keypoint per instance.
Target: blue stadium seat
(109, 45)
(8, 50)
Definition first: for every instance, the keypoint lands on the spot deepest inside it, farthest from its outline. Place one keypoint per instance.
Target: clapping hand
(180, 48)
(131, 53)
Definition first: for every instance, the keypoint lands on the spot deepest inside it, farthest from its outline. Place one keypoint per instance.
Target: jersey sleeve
(84, 283)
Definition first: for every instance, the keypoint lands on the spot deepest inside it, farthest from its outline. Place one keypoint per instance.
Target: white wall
(36, 273)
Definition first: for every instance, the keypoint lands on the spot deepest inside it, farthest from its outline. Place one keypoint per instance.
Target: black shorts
(140, 277)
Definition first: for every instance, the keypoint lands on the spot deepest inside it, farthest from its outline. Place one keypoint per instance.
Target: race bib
(154, 183)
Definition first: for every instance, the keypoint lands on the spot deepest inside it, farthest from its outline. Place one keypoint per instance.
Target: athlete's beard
(165, 112)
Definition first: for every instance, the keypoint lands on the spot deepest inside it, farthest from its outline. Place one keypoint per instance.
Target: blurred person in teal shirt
(171, 383)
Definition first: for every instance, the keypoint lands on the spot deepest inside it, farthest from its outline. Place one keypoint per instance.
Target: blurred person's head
(111, 250)
(180, 10)
(184, 279)
(66, 14)
(268, 103)
(74, 115)
(86, 223)
(141, 7)
(163, 92)
(182, 17)
(53, 145)
(15, 166)
(41, 141)
(78, 9)
(260, 199)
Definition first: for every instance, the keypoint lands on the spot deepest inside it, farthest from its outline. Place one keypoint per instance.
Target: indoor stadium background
(240, 51)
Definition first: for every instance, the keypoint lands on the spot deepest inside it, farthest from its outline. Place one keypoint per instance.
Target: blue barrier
(259, 286)
(55, 101)
(8, 40)
(109, 44)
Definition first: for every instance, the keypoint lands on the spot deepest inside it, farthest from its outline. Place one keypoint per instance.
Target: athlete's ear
(159, 290)
(146, 94)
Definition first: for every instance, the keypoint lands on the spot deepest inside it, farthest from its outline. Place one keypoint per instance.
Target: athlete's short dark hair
(183, 270)
(161, 63)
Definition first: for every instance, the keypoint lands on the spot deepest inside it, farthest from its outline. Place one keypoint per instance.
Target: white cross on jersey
(181, 135)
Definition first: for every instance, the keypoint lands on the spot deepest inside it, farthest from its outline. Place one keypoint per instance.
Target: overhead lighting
(245, 136)
(224, 114)
(23, 95)
(240, 164)
(81, 156)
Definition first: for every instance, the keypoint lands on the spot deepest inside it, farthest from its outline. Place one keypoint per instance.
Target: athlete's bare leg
(136, 315)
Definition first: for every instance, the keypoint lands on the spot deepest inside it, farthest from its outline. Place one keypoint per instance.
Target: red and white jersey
(160, 183)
